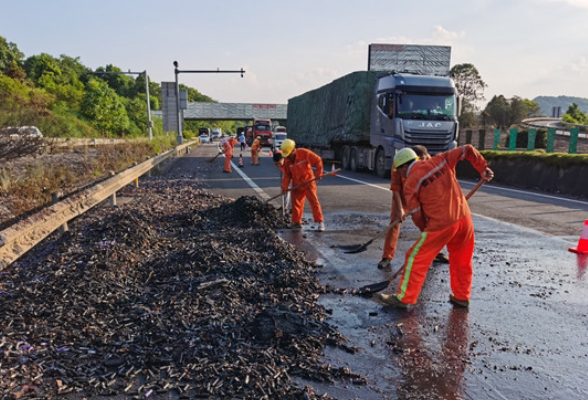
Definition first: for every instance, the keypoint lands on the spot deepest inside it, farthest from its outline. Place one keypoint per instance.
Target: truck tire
(345, 162)
(381, 170)
(353, 160)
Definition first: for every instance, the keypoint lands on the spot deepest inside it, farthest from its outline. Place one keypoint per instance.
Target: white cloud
(444, 36)
(575, 3)
(580, 67)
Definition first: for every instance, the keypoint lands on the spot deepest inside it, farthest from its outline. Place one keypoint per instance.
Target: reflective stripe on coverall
(254, 152)
(442, 214)
(299, 172)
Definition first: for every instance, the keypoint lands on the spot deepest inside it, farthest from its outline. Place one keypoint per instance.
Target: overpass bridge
(222, 112)
(234, 111)
(199, 111)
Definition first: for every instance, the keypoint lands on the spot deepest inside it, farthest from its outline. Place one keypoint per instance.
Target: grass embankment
(562, 160)
(27, 184)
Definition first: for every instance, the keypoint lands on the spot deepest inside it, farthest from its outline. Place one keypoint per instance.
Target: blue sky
(520, 47)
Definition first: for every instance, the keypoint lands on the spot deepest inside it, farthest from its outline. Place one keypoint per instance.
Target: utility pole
(177, 72)
(149, 121)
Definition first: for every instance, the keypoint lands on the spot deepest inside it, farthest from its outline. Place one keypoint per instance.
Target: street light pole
(178, 115)
(149, 121)
(177, 72)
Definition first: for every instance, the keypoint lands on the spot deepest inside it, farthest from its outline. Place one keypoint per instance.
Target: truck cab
(263, 128)
(410, 109)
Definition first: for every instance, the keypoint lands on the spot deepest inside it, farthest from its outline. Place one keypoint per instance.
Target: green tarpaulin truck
(363, 118)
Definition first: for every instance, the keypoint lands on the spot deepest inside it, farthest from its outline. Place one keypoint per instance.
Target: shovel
(334, 172)
(215, 157)
(368, 290)
(358, 248)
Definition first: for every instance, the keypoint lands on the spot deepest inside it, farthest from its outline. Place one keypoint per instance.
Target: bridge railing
(530, 139)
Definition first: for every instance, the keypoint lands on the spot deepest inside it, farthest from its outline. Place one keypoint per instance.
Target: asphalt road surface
(525, 334)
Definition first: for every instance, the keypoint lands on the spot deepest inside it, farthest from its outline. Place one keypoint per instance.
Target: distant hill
(548, 102)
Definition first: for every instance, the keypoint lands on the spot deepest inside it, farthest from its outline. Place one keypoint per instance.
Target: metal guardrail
(19, 238)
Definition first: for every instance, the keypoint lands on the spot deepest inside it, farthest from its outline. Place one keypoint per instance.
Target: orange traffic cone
(332, 167)
(269, 153)
(583, 242)
(241, 161)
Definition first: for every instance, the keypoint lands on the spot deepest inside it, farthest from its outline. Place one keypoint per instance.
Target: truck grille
(434, 142)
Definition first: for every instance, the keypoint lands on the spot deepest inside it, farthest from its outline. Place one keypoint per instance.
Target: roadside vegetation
(63, 98)
(561, 160)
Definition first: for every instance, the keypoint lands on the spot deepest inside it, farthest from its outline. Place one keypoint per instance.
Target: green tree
(468, 119)
(469, 85)
(195, 96)
(102, 106)
(504, 113)
(137, 112)
(533, 108)
(9, 55)
(60, 77)
(497, 111)
(154, 91)
(575, 116)
(122, 84)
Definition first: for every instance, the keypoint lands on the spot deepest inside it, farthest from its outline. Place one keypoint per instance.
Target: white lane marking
(461, 182)
(260, 191)
(364, 183)
(546, 196)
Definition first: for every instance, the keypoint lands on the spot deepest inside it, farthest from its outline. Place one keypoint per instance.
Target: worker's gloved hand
(488, 175)
(319, 177)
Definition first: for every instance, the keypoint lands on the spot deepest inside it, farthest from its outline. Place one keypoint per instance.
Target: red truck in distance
(263, 128)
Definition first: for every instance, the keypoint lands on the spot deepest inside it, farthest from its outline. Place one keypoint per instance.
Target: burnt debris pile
(178, 291)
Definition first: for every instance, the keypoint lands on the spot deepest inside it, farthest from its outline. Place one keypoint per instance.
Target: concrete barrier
(24, 235)
(531, 174)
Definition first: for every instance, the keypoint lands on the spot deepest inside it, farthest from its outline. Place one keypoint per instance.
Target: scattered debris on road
(177, 291)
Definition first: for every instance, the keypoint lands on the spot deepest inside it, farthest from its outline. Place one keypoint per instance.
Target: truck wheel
(353, 160)
(381, 164)
(345, 162)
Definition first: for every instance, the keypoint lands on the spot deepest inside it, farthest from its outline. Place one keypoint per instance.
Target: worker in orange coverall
(228, 144)
(298, 164)
(397, 211)
(255, 146)
(440, 210)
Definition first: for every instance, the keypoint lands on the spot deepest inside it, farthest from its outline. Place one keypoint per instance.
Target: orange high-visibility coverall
(299, 172)
(255, 152)
(228, 149)
(444, 218)
(396, 182)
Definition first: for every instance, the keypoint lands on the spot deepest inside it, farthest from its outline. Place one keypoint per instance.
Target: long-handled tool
(358, 248)
(377, 287)
(334, 172)
(215, 157)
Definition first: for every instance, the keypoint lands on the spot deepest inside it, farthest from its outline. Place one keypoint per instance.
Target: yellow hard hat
(403, 156)
(259, 137)
(287, 147)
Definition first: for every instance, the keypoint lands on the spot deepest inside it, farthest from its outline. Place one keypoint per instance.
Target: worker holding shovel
(298, 165)
(440, 210)
(279, 162)
(397, 211)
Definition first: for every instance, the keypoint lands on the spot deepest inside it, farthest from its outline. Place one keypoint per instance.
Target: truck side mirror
(459, 101)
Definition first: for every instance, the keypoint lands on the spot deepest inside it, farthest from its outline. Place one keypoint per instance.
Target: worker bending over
(397, 210)
(298, 165)
(441, 212)
(255, 147)
(228, 145)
